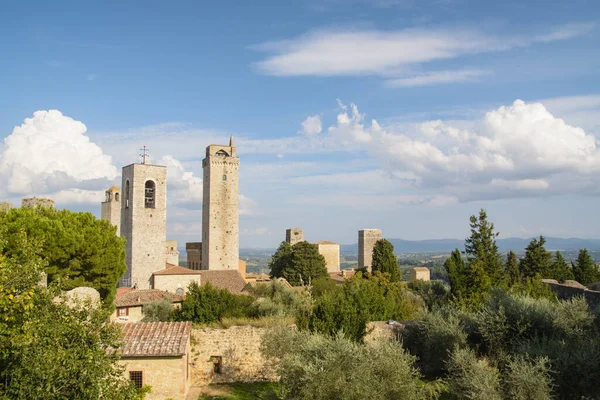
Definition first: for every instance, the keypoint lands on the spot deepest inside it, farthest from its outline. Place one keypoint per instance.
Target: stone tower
(294, 235)
(143, 222)
(33, 202)
(366, 242)
(220, 216)
(111, 208)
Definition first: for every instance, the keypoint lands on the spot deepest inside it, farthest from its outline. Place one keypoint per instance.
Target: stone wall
(171, 252)
(167, 376)
(294, 235)
(111, 208)
(171, 283)
(5, 206)
(194, 255)
(564, 292)
(33, 202)
(419, 273)
(366, 242)
(331, 252)
(239, 349)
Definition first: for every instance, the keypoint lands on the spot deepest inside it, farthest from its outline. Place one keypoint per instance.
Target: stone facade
(33, 202)
(170, 283)
(143, 222)
(366, 242)
(194, 255)
(111, 208)
(331, 252)
(294, 235)
(166, 375)
(239, 350)
(171, 252)
(5, 206)
(220, 216)
(127, 314)
(419, 273)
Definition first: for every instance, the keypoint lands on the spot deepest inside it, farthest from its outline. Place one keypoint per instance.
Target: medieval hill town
(305, 200)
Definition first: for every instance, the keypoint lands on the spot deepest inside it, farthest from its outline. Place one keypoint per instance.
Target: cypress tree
(385, 261)
(584, 270)
(456, 269)
(561, 271)
(512, 268)
(537, 260)
(481, 247)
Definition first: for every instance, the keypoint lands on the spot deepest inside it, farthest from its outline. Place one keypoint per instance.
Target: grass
(242, 391)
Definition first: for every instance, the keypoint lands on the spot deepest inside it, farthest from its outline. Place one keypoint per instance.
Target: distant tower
(194, 255)
(366, 242)
(5, 206)
(143, 221)
(33, 202)
(220, 217)
(111, 208)
(294, 235)
(171, 252)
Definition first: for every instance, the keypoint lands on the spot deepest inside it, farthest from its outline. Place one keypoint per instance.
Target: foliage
(385, 261)
(537, 260)
(525, 380)
(584, 269)
(243, 391)
(433, 293)
(298, 264)
(206, 304)
(76, 248)
(560, 270)
(318, 367)
(324, 285)
(472, 378)
(158, 311)
(276, 299)
(481, 247)
(457, 275)
(512, 268)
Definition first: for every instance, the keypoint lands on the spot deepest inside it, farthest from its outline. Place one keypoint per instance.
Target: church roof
(155, 339)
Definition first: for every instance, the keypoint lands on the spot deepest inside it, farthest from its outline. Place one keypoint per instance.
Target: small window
(150, 195)
(137, 377)
(217, 364)
(224, 177)
(127, 194)
(179, 290)
(122, 312)
(221, 153)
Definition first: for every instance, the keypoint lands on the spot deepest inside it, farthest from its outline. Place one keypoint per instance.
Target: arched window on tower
(116, 196)
(150, 194)
(127, 194)
(222, 153)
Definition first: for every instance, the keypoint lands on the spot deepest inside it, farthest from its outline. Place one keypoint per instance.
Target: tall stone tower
(143, 222)
(220, 215)
(294, 235)
(111, 208)
(366, 242)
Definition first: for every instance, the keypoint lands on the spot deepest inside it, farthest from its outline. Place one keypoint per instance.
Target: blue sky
(299, 85)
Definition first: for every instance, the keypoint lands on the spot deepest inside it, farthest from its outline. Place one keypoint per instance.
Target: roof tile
(155, 339)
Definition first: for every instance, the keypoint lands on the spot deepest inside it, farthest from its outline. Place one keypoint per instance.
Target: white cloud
(438, 77)
(311, 126)
(51, 152)
(183, 186)
(246, 205)
(378, 52)
(78, 196)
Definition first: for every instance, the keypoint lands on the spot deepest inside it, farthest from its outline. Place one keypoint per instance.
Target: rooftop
(134, 298)
(420, 269)
(155, 339)
(324, 242)
(172, 269)
(230, 279)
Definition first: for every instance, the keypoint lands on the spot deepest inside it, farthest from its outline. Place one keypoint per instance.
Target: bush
(472, 378)
(205, 304)
(276, 299)
(524, 380)
(158, 311)
(433, 293)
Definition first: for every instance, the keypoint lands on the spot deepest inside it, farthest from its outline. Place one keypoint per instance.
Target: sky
(403, 115)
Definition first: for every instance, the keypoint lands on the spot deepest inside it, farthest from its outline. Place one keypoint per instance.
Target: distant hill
(447, 245)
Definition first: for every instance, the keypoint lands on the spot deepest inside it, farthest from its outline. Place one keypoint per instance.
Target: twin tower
(140, 213)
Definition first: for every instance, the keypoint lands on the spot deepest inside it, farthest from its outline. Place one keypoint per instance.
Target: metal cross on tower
(144, 154)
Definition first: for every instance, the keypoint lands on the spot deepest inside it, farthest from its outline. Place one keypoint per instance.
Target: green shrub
(472, 378)
(276, 299)
(433, 293)
(205, 304)
(524, 380)
(158, 311)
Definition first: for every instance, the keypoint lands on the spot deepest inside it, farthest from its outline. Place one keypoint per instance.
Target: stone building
(158, 354)
(331, 252)
(176, 279)
(220, 219)
(32, 202)
(419, 273)
(143, 222)
(111, 208)
(294, 235)
(366, 242)
(171, 252)
(129, 303)
(194, 255)
(5, 206)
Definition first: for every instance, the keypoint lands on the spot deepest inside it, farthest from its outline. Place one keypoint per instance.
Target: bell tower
(111, 208)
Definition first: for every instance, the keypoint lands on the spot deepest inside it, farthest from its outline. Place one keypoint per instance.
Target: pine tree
(481, 247)
(584, 270)
(385, 261)
(512, 268)
(537, 260)
(561, 271)
(457, 274)
(299, 264)
(478, 283)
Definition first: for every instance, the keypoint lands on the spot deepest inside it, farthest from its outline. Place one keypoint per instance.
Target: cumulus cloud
(49, 153)
(311, 126)
(516, 150)
(182, 186)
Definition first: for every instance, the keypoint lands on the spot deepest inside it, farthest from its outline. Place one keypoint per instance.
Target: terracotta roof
(420, 269)
(113, 187)
(172, 269)
(229, 279)
(140, 297)
(155, 339)
(325, 242)
(341, 276)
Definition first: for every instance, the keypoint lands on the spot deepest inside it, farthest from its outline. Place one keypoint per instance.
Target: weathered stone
(294, 235)
(366, 242)
(111, 208)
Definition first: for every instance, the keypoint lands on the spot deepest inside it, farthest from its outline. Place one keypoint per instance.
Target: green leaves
(584, 269)
(385, 261)
(299, 264)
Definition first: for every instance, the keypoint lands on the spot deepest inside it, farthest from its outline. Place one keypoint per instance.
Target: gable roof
(140, 297)
(155, 339)
(325, 242)
(172, 269)
(230, 279)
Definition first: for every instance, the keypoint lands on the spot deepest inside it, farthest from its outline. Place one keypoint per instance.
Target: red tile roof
(172, 269)
(140, 297)
(230, 279)
(155, 339)
(341, 276)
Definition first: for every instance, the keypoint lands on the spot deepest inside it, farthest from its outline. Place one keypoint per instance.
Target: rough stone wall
(171, 283)
(565, 292)
(419, 274)
(220, 215)
(194, 255)
(168, 376)
(331, 252)
(144, 228)
(111, 209)
(294, 235)
(134, 314)
(171, 252)
(33, 202)
(366, 242)
(5, 206)
(239, 347)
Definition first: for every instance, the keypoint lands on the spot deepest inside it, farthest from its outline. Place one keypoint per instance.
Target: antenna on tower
(144, 154)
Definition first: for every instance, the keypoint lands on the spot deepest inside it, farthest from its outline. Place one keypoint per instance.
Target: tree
(584, 269)
(457, 274)
(481, 246)
(537, 260)
(512, 268)
(298, 264)
(158, 311)
(205, 304)
(385, 261)
(76, 248)
(560, 270)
